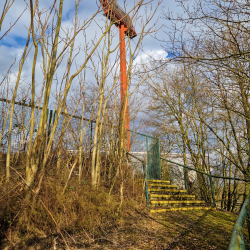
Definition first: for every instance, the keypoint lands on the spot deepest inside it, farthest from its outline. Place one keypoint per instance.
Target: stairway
(165, 197)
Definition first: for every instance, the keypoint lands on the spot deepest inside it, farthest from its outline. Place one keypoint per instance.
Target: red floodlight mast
(123, 22)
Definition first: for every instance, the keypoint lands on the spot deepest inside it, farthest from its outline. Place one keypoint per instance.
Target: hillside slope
(137, 229)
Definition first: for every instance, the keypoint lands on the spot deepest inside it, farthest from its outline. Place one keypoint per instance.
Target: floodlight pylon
(123, 22)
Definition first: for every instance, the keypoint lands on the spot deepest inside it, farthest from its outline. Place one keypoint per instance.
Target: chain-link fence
(146, 149)
(154, 162)
(20, 133)
(69, 131)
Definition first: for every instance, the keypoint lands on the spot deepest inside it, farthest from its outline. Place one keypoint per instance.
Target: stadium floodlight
(123, 22)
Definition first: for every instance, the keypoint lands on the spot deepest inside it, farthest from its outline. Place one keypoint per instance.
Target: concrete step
(180, 209)
(177, 203)
(164, 190)
(171, 197)
(158, 181)
(166, 206)
(156, 185)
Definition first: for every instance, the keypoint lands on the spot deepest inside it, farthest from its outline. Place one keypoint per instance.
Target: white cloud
(151, 56)
(146, 60)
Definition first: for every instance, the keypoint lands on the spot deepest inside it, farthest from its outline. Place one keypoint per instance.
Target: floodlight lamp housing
(115, 13)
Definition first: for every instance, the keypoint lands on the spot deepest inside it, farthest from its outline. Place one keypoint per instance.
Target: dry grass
(134, 229)
(83, 218)
(54, 212)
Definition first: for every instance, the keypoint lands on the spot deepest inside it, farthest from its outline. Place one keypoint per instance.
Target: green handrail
(196, 170)
(237, 241)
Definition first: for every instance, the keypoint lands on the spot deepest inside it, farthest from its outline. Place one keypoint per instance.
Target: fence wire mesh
(154, 164)
(68, 132)
(21, 126)
(147, 149)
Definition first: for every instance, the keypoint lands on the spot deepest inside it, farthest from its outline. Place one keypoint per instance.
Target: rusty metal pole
(124, 86)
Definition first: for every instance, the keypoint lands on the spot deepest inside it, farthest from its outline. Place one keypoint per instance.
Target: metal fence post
(212, 190)
(147, 172)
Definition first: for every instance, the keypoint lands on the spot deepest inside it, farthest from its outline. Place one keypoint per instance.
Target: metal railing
(210, 176)
(237, 239)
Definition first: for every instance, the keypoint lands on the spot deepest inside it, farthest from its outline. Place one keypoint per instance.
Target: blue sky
(11, 46)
